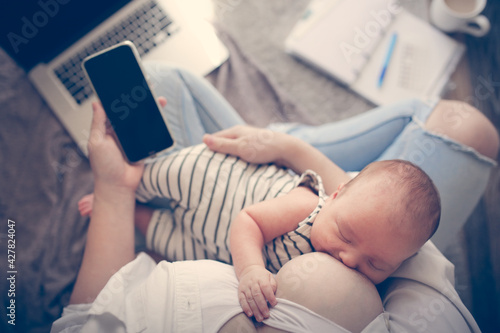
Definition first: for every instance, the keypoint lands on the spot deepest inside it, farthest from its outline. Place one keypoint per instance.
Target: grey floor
(260, 27)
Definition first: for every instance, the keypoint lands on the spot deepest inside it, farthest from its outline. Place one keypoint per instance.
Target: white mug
(460, 15)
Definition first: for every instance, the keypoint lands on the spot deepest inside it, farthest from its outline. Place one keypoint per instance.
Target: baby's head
(378, 219)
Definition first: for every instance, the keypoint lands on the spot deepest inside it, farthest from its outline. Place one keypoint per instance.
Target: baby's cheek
(317, 239)
(376, 279)
(317, 243)
(324, 243)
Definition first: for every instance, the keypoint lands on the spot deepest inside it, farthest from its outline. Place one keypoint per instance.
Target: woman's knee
(465, 124)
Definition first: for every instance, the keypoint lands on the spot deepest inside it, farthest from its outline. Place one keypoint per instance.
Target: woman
(116, 292)
(448, 140)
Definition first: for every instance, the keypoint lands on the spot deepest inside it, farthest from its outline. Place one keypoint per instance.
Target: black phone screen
(129, 104)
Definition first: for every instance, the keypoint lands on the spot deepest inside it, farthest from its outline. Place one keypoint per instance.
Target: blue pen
(388, 57)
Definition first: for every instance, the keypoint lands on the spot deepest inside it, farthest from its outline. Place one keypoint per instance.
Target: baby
(371, 224)
(260, 216)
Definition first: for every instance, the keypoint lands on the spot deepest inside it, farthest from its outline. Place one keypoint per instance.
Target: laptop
(50, 38)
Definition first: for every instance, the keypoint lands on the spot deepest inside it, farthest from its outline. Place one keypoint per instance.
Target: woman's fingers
(98, 129)
(233, 132)
(163, 101)
(254, 145)
(221, 144)
(98, 118)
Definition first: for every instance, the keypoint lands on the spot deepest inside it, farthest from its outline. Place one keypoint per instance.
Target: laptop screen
(34, 31)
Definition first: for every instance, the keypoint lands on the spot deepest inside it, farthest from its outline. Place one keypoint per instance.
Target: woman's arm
(110, 241)
(257, 145)
(110, 237)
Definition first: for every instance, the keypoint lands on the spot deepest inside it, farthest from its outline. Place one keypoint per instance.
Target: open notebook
(349, 40)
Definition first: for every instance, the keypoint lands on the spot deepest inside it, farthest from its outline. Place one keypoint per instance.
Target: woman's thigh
(194, 107)
(355, 142)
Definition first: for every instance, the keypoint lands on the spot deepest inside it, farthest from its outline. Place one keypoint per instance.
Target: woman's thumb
(98, 118)
(220, 144)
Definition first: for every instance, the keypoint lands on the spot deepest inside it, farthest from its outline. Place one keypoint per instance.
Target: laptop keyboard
(147, 27)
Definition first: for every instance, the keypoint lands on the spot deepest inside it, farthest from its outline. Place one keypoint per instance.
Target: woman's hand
(255, 145)
(259, 145)
(110, 236)
(106, 159)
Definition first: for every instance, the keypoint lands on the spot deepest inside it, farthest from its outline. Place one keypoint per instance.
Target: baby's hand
(257, 287)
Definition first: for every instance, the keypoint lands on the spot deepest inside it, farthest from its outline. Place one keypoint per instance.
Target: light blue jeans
(389, 132)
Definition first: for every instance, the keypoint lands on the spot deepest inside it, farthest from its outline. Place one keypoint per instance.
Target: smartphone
(119, 81)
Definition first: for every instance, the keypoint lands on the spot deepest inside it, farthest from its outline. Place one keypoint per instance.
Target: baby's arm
(255, 226)
(259, 145)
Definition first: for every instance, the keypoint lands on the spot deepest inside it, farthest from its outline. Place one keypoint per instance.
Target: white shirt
(186, 296)
(200, 296)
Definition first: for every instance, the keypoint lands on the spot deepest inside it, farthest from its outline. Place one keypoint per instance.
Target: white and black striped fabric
(296, 242)
(207, 191)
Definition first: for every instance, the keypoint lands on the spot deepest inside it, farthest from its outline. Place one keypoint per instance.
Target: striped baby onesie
(207, 191)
